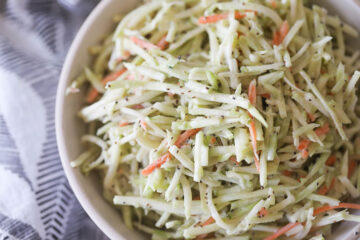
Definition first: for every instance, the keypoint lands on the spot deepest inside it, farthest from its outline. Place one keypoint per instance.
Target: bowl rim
(79, 193)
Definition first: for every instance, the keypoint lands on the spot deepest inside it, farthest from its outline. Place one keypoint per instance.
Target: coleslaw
(225, 119)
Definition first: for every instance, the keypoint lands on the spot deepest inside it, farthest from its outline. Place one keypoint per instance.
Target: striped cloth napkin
(36, 201)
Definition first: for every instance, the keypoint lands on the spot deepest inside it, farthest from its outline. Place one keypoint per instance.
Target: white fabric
(36, 201)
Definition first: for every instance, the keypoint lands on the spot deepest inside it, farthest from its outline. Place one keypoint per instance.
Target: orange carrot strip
(252, 130)
(185, 136)
(273, 3)
(311, 117)
(233, 159)
(218, 17)
(280, 35)
(125, 56)
(123, 124)
(324, 189)
(276, 38)
(137, 106)
(284, 30)
(156, 164)
(304, 154)
(282, 231)
(162, 44)
(304, 144)
(322, 130)
(263, 212)
(208, 222)
(239, 15)
(266, 95)
(213, 140)
(352, 167)
(287, 173)
(179, 142)
(196, 198)
(143, 124)
(331, 160)
(326, 208)
(92, 95)
(212, 18)
(252, 92)
(111, 77)
(142, 43)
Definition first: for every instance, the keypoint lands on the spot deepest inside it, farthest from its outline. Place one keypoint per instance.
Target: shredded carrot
(137, 106)
(284, 30)
(125, 56)
(311, 117)
(92, 95)
(352, 167)
(162, 44)
(252, 92)
(218, 17)
(143, 124)
(185, 136)
(322, 130)
(324, 189)
(282, 231)
(252, 130)
(280, 35)
(266, 95)
(276, 38)
(331, 160)
(156, 164)
(142, 43)
(123, 124)
(263, 212)
(304, 154)
(207, 222)
(179, 142)
(273, 3)
(304, 144)
(196, 198)
(213, 140)
(111, 77)
(233, 159)
(326, 208)
(287, 173)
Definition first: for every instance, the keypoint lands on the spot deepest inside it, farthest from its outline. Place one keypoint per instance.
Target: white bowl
(69, 128)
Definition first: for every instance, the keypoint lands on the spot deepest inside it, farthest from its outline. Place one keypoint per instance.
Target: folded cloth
(36, 201)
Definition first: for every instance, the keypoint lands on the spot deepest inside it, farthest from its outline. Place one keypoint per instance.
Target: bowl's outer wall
(70, 128)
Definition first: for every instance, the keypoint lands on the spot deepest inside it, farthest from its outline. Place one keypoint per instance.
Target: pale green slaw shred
(225, 119)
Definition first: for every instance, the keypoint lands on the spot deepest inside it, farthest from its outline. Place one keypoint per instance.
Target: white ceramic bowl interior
(69, 127)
